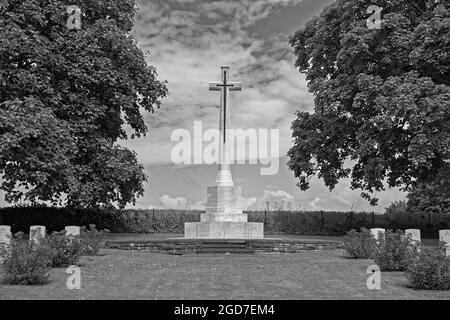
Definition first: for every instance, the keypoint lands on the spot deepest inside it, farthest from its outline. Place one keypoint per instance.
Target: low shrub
(24, 262)
(393, 251)
(430, 271)
(66, 251)
(92, 240)
(359, 245)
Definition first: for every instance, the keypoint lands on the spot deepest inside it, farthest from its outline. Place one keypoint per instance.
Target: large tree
(382, 96)
(65, 96)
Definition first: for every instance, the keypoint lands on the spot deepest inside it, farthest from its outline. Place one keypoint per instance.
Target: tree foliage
(382, 96)
(65, 96)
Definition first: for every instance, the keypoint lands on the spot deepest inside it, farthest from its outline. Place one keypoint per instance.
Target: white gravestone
(5, 235)
(376, 232)
(5, 238)
(413, 234)
(447, 250)
(444, 236)
(37, 233)
(72, 232)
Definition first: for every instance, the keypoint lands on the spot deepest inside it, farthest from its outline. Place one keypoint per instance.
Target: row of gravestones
(36, 233)
(414, 235)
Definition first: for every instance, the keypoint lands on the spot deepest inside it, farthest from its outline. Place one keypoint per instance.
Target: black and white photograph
(224, 156)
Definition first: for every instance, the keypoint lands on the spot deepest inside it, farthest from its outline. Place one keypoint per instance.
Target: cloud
(248, 203)
(198, 205)
(168, 202)
(314, 205)
(273, 200)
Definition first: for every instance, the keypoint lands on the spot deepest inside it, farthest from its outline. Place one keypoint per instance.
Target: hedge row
(172, 221)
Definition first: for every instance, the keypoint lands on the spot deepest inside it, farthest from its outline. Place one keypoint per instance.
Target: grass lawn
(120, 274)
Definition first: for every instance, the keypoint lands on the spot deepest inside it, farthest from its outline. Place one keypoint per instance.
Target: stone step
(224, 245)
(224, 250)
(221, 241)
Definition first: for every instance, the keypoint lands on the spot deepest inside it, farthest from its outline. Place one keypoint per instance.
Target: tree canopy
(65, 96)
(382, 96)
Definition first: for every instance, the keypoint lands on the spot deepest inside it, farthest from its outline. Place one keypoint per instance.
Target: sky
(188, 41)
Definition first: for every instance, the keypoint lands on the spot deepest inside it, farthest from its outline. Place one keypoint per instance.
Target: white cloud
(168, 202)
(198, 205)
(314, 204)
(273, 200)
(248, 203)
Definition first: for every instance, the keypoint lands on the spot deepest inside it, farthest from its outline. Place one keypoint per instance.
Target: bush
(66, 251)
(92, 240)
(430, 271)
(359, 245)
(25, 263)
(394, 251)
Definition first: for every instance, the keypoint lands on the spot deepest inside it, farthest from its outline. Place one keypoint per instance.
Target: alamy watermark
(374, 21)
(251, 146)
(74, 19)
(74, 280)
(374, 281)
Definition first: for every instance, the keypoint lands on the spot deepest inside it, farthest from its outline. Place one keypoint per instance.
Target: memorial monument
(223, 218)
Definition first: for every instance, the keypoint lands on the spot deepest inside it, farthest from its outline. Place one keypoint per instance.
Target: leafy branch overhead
(65, 96)
(382, 96)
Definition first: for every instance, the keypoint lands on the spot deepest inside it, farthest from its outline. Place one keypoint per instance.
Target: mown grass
(141, 275)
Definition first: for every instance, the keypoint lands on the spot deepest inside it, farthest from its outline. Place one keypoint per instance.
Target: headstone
(444, 236)
(5, 239)
(37, 233)
(447, 249)
(376, 232)
(5, 235)
(73, 231)
(413, 234)
(224, 217)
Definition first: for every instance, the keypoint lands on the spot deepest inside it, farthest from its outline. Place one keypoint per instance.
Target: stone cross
(225, 86)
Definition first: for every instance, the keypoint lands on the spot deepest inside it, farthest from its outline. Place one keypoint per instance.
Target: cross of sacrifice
(225, 86)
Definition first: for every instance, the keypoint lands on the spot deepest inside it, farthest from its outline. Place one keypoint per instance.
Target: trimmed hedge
(172, 221)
